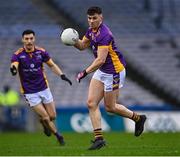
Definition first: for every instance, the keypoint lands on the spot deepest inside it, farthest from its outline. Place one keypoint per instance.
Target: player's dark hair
(28, 31)
(94, 10)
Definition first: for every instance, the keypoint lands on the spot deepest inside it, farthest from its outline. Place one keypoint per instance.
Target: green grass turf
(26, 144)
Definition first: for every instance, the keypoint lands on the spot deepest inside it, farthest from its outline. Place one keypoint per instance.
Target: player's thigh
(47, 100)
(96, 91)
(51, 110)
(110, 98)
(40, 110)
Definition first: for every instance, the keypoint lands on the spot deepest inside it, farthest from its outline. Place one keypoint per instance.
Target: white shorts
(44, 97)
(111, 81)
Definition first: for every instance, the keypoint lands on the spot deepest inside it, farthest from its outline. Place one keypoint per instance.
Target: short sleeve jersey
(103, 37)
(31, 71)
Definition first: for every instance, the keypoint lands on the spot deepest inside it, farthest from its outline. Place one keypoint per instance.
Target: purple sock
(58, 135)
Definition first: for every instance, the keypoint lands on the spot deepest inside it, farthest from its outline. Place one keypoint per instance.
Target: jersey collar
(29, 51)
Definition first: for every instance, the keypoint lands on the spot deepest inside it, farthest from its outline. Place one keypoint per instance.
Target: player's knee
(91, 104)
(52, 117)
(46, 119)
(110, 108)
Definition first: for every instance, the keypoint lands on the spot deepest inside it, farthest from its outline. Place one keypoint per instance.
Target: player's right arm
(14, 67)
(82, 44)
(15, 62)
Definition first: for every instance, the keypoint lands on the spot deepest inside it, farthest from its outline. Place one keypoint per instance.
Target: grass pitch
(118, 144)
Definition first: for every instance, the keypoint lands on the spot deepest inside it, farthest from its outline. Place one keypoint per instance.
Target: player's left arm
(57, 70)
(54, 67)
(102, 53)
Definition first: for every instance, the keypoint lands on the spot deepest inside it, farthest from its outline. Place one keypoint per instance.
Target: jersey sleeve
(45, 56)
(105, 40)
(87, 34)
(14, 58)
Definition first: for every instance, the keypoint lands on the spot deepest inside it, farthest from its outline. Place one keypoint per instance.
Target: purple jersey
(103, 37)
(31, 71)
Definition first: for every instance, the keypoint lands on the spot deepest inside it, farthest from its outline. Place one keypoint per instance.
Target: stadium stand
(121, 20)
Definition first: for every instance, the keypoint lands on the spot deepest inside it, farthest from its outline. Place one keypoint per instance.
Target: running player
(109, 76)
(28, 63)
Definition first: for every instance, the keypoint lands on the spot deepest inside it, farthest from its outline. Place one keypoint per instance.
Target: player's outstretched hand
(81, 75)
(13, 70)
(63, 77)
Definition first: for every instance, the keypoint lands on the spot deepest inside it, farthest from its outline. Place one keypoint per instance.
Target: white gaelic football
(69, 36)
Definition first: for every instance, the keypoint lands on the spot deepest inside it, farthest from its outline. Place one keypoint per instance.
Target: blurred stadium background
(146, 31)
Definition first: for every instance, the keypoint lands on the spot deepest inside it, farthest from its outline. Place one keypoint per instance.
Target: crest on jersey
(32, 65)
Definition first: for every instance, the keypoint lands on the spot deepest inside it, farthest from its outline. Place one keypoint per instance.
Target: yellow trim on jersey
(103, 46)
(84, 37)
(49, 61)
(15, 62)
(19, 51)
(115, 85)
(21, 87)
(118, 66)
(29, 51)
(40, 48)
